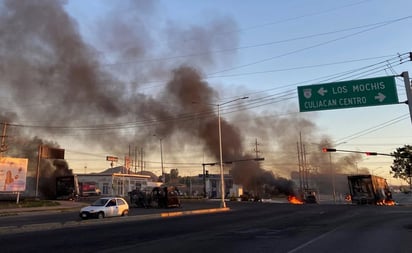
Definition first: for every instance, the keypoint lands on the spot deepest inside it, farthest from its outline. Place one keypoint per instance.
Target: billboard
(13, 173)
(52, 153)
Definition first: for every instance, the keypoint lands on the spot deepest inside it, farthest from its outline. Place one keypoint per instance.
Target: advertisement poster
(13, 174)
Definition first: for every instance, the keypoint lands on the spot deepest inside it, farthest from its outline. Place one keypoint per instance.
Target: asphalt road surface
(20, 219)
(246, 227)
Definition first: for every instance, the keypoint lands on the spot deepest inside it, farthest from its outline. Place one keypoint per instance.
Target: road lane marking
(312, 241)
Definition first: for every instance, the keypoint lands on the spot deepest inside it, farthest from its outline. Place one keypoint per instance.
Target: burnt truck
(369, 189)
(69, 187)
(157, 197)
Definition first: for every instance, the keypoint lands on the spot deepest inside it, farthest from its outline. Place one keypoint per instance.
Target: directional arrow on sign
(322, 91)
(348, 94)
(380, 97)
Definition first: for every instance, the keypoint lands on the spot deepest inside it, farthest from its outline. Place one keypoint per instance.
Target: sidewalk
(64, 205)
(67, 205)
(144, 214)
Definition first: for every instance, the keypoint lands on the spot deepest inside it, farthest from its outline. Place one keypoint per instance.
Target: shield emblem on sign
(307, 93)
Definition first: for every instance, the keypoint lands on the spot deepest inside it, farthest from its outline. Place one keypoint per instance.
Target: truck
(369, 189)
(89, 189)
(69, 188)
(158, 197)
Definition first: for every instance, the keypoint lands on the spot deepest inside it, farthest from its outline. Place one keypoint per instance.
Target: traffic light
(328, 149)
(371, 153)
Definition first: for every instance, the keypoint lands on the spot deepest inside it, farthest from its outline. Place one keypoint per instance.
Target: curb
(201, 211)
(37, 210)
(70, 224)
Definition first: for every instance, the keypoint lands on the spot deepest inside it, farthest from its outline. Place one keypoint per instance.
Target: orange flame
(294, 200)
(386, 203)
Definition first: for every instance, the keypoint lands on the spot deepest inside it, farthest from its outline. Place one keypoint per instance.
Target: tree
(174, 174)
(402, 164)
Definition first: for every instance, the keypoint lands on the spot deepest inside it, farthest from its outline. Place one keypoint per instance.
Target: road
(247, 227)
(66, 216)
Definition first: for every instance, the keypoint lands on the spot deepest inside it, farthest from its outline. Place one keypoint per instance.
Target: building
(116, 181)
(212, 185)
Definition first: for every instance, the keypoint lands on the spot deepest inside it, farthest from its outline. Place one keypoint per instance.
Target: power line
(374, 128)
(269, 99)
(302, 16)
(257, 27)
(297, 67)
(310, 47)
(235, 49)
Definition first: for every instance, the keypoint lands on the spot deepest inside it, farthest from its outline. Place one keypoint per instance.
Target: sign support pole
(38, 169)
(405, 76)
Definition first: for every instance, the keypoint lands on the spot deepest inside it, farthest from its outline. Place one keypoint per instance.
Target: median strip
(57, 225)
(202, 211)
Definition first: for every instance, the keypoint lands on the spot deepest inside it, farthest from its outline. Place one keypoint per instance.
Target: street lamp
(332, 171)
(222, 180)
(161, 159)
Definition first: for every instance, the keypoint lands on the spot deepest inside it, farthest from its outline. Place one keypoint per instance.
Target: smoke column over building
(57, 80)
(54, 83)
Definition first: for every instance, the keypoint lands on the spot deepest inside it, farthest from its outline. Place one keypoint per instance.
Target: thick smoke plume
(54, 83)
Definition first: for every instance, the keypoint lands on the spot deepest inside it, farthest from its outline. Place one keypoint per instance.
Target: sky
(260, 49)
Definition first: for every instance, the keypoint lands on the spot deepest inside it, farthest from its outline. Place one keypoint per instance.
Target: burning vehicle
(295, 200)
(159, 197)
(369, 189)
(307, 198)
(69, 188)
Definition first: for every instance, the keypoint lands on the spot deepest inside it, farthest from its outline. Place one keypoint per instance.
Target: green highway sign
(348, 94)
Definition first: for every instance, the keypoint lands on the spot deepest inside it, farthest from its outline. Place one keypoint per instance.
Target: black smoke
(57, 84)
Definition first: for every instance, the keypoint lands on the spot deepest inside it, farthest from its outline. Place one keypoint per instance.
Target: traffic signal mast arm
(354, 151)
(239, 160)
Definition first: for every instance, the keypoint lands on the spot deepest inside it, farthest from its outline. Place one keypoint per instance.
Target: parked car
(105, 207)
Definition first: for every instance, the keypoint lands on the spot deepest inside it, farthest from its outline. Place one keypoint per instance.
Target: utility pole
(302, 164)
(135, 159)
(299, 167)
(141, 159)
(3, 145)
(257, 151)
(39, 156)
(204, 181)
(130, 158)
(161, 161)
(305, 169)
(405, 76)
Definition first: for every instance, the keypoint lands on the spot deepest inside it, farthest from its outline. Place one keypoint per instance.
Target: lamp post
(222, 179)
(161, 159)
(332, 171)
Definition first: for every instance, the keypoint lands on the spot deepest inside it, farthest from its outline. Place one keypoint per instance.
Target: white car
(105, 207)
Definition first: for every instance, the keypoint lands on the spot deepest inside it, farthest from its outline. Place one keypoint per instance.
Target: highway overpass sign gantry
(348, 94)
